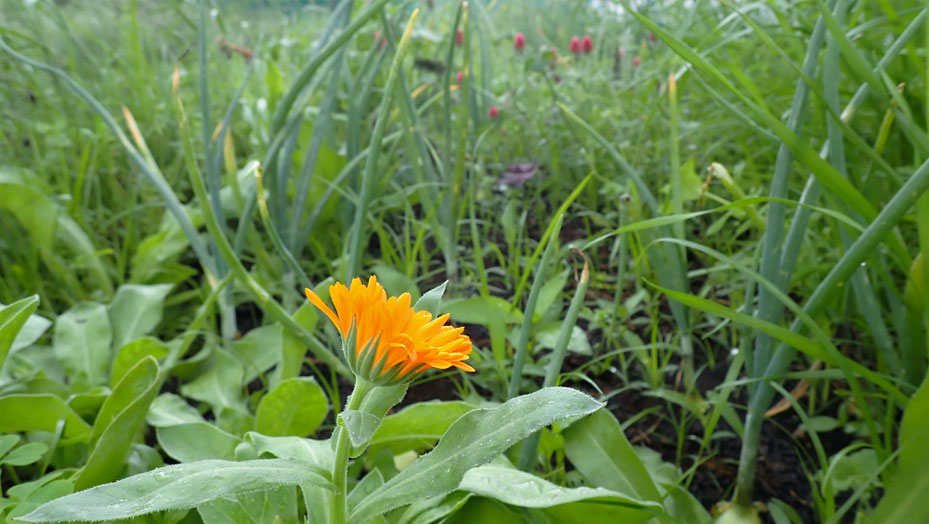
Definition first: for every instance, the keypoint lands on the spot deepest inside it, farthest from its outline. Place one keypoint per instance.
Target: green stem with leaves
(338, 509)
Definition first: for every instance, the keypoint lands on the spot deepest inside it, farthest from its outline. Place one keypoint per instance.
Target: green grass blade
(262, 298)
(368, 177)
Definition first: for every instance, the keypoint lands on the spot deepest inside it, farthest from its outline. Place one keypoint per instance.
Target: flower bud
(587, 45)
(519, 42)
(575, 46)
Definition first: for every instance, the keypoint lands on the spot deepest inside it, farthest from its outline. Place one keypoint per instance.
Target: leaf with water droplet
(177, 487)
(474, 439)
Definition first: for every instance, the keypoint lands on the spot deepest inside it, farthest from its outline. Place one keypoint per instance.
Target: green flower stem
(338, 507)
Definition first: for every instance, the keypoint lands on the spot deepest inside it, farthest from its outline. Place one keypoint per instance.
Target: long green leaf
(475, 439)
(121, 417)
(518, 488)
(178, 487)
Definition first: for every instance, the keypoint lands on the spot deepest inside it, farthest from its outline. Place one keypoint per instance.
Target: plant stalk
(339, 506)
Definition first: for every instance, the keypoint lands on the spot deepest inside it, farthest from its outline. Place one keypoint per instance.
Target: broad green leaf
(474, 439)
(360, 426)
(7, 442)
(12, 320)
(381, 399)
(507, 484)
(34, 328)
(132, 353)
(196, 441)
(224, 510)
(273, 506)
(136, 310)
(905, 495)
(417, 426)
(683, 506)
(259, 349)
(82, 343)
(395, 282)
(597, 447)
(221, 385)
(480, 509)
(24, 490)
(596, 510)
(296, 407)
(431, 300)
(25, 454)
(237, 421)
(434, 509)
(88, 403)
(120, 418)
(547, 335)
(483, 310)
(365, 487)
(40, 412)
(783, 513)
(158, 253)
(518, 488)
(848, 471)
(318, 452)
(143, 458)
(169, 409)
(47, 492)
(37, 385)
(176, 487)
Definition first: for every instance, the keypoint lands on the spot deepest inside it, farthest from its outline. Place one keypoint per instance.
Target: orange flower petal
(408, 341)
(318, 302)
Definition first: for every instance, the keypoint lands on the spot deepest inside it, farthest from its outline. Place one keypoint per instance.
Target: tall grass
(742, 183)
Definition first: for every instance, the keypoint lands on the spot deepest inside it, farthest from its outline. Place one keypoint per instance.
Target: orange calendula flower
(384, 339)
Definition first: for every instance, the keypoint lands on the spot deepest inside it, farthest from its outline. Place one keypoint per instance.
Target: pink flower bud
(635, 61)
(493, 113)
(587, 45)
(459, 37)
(459, 77)
(519, 42)
(575, 46)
